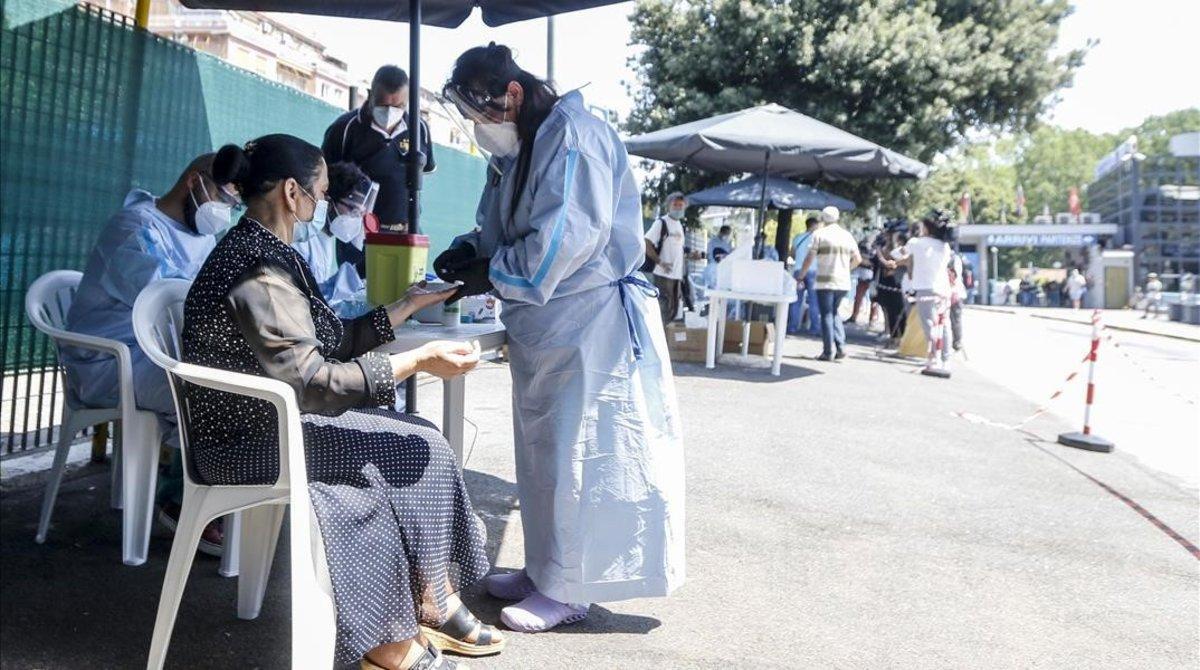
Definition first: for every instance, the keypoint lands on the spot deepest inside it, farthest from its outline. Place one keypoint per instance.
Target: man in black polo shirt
(376, 139)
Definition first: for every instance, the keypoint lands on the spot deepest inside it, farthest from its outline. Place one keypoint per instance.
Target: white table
(716, 323)
(491, 338)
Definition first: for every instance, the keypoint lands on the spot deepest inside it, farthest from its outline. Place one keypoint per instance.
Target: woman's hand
(448, 359)
(415, 300)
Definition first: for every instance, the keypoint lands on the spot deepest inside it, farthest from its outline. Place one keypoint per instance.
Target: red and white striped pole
(1086, 440)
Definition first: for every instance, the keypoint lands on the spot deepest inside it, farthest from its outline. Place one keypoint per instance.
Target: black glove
(473, 274)
(451, 257)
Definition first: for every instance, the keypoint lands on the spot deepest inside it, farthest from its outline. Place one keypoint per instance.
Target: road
(1147, 395)
(839, 516)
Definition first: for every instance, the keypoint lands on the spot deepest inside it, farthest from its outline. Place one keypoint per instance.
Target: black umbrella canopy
(439, 13)
(774, 140)
(781, 194)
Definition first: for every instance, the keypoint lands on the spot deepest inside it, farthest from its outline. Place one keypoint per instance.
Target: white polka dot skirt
(398, 527)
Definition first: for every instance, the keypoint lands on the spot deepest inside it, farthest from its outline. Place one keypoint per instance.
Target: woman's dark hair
(937, 224)
(344, 177)
(264, 162)
(489, 69)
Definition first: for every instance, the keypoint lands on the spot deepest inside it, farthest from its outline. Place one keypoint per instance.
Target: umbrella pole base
(1086, 442)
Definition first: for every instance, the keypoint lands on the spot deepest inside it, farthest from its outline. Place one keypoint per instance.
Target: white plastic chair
(136, 438)
(157, 323)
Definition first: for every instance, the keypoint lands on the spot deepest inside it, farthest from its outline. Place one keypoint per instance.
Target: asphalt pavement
(839, 516)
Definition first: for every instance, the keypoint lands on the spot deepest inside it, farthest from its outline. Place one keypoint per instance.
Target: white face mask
(676, 214)
(212, 216)
(386, 116)
(348, 228)
(498, 139)
(320, 212)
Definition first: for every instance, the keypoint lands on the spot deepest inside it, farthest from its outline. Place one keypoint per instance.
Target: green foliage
(1156, 131)
(912, 75)
(1046, 163)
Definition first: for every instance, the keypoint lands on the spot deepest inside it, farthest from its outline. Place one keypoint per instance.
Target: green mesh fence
(81, 123)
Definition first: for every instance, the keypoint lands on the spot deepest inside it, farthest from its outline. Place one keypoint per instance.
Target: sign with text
(1041, 240)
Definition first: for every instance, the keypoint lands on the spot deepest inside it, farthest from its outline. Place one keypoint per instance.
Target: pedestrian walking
(1076, 287)
(664, 249)
(1153, 293)
(834, 251)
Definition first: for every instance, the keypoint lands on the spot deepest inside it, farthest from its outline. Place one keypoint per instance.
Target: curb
(1126, 329)
(990, 308)
(1048, 317)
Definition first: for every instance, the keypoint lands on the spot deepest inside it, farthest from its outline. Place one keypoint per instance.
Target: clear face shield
(487, 113)
(361, 200)
(354, 214)
(476, 106)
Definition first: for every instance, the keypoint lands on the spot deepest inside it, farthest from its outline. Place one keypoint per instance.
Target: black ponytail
(264, 162)
(490, 69)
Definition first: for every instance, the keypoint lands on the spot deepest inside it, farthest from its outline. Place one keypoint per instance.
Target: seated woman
(400, 535)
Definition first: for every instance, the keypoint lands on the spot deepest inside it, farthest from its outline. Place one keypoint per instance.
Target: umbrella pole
(416, 159)
(762, 212)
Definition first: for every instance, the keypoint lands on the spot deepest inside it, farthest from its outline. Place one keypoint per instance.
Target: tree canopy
(1046, 163)
(913, 75)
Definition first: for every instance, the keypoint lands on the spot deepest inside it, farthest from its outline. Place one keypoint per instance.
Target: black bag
(648, 264)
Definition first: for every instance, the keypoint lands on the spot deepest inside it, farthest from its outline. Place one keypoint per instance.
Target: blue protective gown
(343, 289)
(599, 451)
(138, 245)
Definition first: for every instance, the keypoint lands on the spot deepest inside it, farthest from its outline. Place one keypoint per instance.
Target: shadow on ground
(733, 371)
(72, 603)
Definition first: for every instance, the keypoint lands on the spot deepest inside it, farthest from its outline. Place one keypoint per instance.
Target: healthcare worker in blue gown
(599, 451)
(149, 238)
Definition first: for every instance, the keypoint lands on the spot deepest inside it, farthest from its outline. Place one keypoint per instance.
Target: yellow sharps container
(394, 262)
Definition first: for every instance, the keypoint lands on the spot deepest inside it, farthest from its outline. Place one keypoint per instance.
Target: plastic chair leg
(117, 488)
(139, 465)
(231, 551)
(70, 426)
(260, 533)
(192, 519)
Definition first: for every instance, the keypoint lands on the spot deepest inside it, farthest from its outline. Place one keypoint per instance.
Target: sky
(1144, 61)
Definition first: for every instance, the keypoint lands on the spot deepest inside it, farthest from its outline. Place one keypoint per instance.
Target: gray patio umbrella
(781, 194)
(440, 13)
(774, 140)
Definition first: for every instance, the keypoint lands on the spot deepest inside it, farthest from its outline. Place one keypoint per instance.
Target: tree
(1156, 132)
(985, 170)
(1053, 160)
(912, 75)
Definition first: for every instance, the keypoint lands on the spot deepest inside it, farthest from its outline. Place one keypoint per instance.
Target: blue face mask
(320, 211)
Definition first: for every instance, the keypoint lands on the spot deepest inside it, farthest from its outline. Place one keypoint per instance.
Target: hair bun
(231, 165)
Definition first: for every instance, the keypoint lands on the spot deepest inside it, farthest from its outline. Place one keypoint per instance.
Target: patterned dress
(392, 509)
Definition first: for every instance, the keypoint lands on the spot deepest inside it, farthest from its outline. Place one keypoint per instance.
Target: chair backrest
(158, 326)
(49, 299)
(158, 320)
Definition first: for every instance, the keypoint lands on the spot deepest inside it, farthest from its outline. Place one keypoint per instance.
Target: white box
(751, 276)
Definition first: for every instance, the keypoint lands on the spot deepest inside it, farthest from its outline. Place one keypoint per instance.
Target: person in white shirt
(833, 251)
(1154, 289)
(931, 261)
(664, 247)
(1076, 287)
